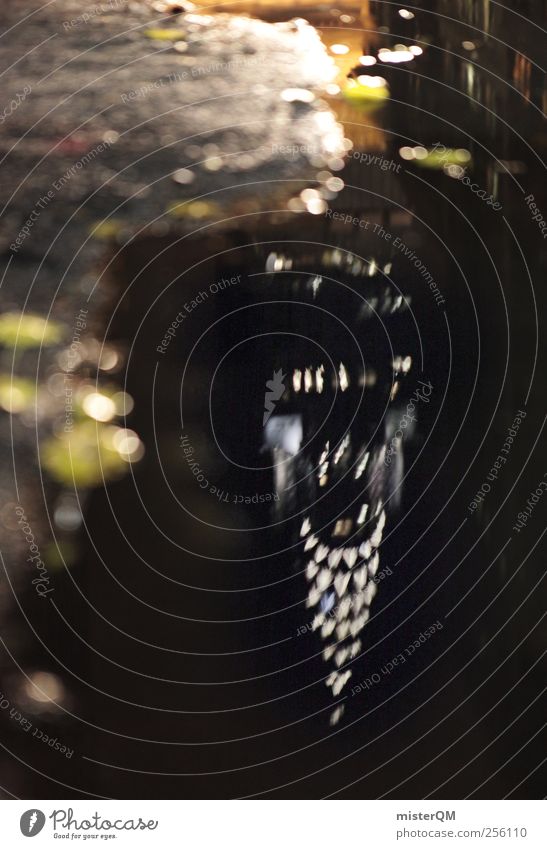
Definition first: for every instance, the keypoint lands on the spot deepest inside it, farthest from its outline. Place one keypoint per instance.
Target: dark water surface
(182, 632)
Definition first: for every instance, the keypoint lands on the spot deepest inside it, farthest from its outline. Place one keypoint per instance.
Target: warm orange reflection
(348, 31)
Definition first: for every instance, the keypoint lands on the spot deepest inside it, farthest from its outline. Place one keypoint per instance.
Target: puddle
(255, 445)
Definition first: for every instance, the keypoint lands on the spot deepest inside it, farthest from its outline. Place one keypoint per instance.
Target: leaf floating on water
(16, 394)
(194, 209)
(59, 555)
(89, 454)
(440, 158)
(107, 229)
(366, 90)
(165, 34)
(28, 330)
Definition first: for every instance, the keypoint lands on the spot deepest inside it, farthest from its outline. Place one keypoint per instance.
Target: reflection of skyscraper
(345, 377)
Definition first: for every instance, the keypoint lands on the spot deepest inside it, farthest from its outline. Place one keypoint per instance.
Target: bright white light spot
(416, 50)
(277, 262)
(341, 584)
(462, 154)
(367, 60)
(315, 284)
(128, 445)
(99, 407)
(362, 466)
(343, 376)
(123, 402)
(335, 557)
(109, 359)
(395, 56)
(67, 514)
(371, 82)
(303, 95)
(454, 171)
(331, 142)
(214, 163)
(350, 556)
(406, 152)
(362, 514)
(44, 687)
(309, 194)
(316, 206)
(183, 176)
(310, 543)
(341, 448)
(336, 715)
(306, 527)
(321, 553)
(284, 432)
(406, 14)
(339, 49)
(365, 550)
(334, 184)
(319, 379)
